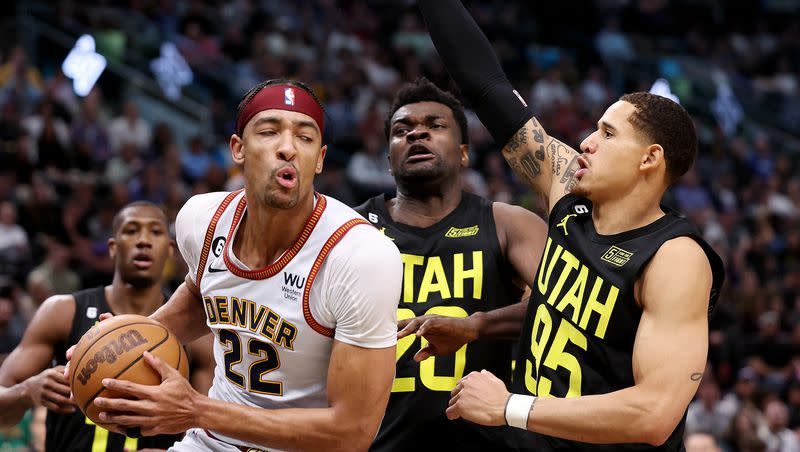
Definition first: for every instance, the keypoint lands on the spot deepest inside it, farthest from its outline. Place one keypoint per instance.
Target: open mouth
(418, 153)
(287, 176)
(583, 167)
(142, 261)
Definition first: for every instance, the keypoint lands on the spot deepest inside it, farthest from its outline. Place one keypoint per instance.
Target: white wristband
(518, 408)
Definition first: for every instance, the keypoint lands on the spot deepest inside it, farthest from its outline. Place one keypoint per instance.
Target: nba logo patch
(288, 96)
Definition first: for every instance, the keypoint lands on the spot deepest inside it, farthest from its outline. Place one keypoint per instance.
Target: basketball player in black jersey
(140, 248)
(462, 255)
(616, 335)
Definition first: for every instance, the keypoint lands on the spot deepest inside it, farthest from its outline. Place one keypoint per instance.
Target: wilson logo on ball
(109, 353)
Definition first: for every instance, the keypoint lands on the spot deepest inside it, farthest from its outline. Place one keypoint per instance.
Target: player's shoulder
(365, 245)
(679, 257)
(204, 202)
(55, 315)
(370, 205)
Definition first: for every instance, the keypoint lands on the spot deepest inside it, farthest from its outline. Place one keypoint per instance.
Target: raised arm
(546, 164)
(674, 323)
(26, 376)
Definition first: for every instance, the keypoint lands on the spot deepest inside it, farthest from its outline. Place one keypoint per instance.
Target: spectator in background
(701, 442)
(773, 431)
(19, 80)
(129, 128)
(14, 246)
(54, 275)
(368, 169)
(704, 413)
(195, 160)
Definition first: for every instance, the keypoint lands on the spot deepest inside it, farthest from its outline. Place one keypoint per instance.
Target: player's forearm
(291, 428)
(14, 402)
(629, 415)
(470, 59)
(502, 323)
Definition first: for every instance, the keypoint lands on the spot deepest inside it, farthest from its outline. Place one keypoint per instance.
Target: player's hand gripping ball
(113, 349)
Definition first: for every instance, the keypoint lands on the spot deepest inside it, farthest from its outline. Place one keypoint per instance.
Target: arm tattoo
(520, 139)
(531, 166)
(569, 175)
(697, 376)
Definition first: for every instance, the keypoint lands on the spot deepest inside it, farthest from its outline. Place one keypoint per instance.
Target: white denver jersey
(275, 326)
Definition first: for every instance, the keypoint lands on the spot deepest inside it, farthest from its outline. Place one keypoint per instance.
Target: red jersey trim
(212, 226)
(323, 253)
(272, 269)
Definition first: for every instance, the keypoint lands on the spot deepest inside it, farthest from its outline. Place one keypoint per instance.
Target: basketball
(113, 349)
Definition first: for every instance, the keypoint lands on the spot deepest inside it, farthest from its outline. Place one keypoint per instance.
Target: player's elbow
(352, 437)
(659, 427)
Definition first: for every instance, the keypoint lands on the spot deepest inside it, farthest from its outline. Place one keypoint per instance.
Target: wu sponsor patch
(617, 256)
(455, 233)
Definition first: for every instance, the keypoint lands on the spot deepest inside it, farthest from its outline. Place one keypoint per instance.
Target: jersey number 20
(426, 368)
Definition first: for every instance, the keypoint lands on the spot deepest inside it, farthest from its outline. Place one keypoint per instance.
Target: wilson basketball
(113, 349)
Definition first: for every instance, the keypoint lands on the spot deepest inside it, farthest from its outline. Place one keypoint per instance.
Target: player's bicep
(35, 352)
(525, 235)
(674, 323)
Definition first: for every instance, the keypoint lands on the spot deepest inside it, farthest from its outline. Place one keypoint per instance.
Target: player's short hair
(423, 90)
(251, 93)
(116, 223)
(667, 123)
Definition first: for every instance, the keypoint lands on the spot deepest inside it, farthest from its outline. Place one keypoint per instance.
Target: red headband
(281, 97)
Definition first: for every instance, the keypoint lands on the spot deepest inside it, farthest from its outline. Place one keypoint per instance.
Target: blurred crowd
(68, 163)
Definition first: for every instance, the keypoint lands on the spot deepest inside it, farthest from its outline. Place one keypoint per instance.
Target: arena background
(156, 123)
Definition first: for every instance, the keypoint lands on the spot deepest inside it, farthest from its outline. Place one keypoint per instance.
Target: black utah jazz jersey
(582, 318)
(74, 432)
(453, 268)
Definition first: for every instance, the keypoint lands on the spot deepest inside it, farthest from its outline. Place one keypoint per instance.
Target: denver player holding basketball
(616, 335)
(465, 259)
(140, 248)
(300, 292)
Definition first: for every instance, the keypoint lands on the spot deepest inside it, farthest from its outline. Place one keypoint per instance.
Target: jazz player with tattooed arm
(616, 335)
(465, 259)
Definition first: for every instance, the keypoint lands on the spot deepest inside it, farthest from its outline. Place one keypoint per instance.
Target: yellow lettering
(574, 296)
(540, 334)
(433, 270)
(427, 368)
(238, 312)
(571, 264)
(404, 384)
(604, 310)
(409, 262)
(557, 357)
(476, 273)
(543, 283)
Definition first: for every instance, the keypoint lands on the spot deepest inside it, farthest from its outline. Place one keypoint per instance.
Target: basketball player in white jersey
(300, 292)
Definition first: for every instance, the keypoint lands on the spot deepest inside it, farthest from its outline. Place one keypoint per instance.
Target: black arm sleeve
(471, 62)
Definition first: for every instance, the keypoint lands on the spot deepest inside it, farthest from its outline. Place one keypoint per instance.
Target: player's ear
(652, 158)
(321, 158)
(171, 248)
(112, 247)
(464, 155)
(237, 149)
